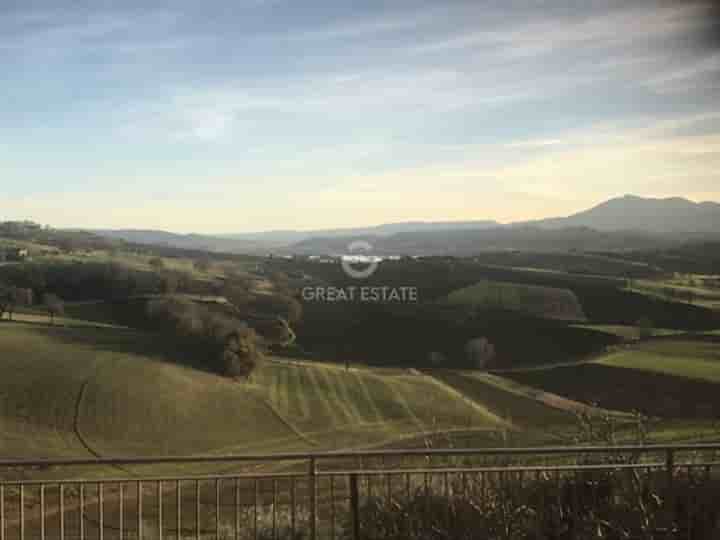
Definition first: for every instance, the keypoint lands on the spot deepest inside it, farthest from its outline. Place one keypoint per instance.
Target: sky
(246, 115)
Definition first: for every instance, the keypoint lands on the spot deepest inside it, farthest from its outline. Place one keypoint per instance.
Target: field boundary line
(76, 419)
(474, 404)
(555, 401)
(287, 423)
(330, 380)
(321, 397)
(368, 397)
(344, 394)
(414, 418)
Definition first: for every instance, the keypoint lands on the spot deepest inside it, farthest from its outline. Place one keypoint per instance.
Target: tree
(169, 283)
(53, 305)
(240, 355)
(436, 359)
(690, 296)
(12, 297)
(644, 328)
(228, 344)
(237, 295)
(202, 265)
(157, 263)
(480, 352)
(5, 300)
(278, 305)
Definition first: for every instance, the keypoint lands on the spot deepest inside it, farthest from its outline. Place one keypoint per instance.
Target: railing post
(313, 498)
(355, 506)
(670, 468)
(670, 485)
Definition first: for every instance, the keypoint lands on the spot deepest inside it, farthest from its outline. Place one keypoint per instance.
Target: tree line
(12, 298)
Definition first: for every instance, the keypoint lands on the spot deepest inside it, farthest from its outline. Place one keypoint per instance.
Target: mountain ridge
(630, 217)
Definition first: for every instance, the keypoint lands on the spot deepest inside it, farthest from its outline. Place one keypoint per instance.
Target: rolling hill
(70, 391)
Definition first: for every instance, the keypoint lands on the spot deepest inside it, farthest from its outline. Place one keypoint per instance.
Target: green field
(683, 358)
(69, 391)
(66, 391)
(549, 302)
(628, 333)
(691, 289)
(362, 406)
(84, 389)
(667, 378)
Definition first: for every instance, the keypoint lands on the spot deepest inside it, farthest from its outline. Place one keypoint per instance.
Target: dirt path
(546, 398)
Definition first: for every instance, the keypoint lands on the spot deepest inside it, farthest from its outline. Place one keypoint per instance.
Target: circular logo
(368, 263)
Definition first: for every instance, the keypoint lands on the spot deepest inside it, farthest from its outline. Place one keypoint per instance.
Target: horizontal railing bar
(528, 468)
(549, 450)
(134, 479)
(370, 472)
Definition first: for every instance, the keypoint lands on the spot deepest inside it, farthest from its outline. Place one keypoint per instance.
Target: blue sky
(248, 115)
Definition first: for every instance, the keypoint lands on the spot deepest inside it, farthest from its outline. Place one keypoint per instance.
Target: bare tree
(5, 300)
(480, 352)
(202, 265)
(53, 305)
(157, 263)
(12, 297)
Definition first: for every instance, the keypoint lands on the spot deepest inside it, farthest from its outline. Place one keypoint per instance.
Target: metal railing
(344, 494)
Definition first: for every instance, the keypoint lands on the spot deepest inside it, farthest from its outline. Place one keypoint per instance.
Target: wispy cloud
(69, 33)
(457, 104)
(387, 23)
(617, 27)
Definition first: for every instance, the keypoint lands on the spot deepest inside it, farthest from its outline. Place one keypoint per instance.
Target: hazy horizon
(251, 116)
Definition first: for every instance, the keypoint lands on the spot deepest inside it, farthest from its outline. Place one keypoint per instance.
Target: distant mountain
(184, 241)
(261, 242)
(469, 242)
(290, 236)
(628, 222)
(672, 215)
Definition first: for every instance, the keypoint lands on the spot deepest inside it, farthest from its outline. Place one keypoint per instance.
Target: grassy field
(515, 406)
(93, 390)
(627, 332)
(683, 358)
(667, 377)
(549, 302)
(78, 390)
(70, 391)
(81, 390)
(361, 406)
(692, 289)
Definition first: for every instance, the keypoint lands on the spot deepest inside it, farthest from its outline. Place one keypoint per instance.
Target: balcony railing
(655, 489)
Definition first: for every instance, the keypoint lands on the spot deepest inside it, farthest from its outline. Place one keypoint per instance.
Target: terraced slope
(361, 405)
